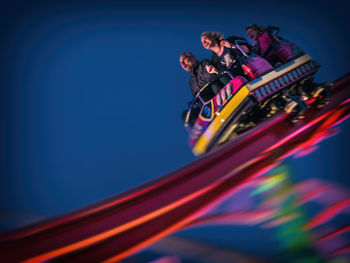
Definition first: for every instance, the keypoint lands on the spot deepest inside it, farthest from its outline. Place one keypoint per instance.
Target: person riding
(201, 71)
(237, 59)
(267, 44)
(212, 40)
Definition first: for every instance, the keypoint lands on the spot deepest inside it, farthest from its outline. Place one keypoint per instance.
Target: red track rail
(119, 226)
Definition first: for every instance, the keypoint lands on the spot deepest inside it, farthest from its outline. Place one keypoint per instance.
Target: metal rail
(112, 229)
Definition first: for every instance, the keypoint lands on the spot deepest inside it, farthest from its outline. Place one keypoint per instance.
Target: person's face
(187, 62)
(207, 43)
(252, 34)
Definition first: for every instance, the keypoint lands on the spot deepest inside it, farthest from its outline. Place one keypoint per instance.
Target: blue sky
(92, 92)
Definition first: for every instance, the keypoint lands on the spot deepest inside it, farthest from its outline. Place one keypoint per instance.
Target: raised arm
(227, 44)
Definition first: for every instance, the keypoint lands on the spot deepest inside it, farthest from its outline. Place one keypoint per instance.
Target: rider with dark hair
(267, 44)
(201, 71)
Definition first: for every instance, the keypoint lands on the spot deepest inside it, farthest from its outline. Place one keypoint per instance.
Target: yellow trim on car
(201, 145)
(277, 73)
(211, 114)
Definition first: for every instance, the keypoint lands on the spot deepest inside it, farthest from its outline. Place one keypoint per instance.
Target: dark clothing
(200, 76)
(274, 48)
(232, 59)
(218, 62)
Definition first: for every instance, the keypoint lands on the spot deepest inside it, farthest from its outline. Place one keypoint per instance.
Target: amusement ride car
(227, 106)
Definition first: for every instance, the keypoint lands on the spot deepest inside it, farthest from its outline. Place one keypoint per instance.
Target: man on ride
(202, 71)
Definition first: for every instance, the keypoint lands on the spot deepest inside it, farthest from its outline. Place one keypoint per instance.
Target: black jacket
(216, 59)
(200, 76)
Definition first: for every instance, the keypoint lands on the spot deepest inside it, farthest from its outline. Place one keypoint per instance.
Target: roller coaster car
(226, 107)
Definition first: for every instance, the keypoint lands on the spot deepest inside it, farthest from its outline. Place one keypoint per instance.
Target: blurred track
(119, 226)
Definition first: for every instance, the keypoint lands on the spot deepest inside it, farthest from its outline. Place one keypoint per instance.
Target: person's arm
(210, 68)
(228, 44)
(193, 85)
(245, 48)
(215, 59)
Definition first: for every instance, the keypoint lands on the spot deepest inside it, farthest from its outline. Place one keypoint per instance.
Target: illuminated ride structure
(117, 227)
(227, 107)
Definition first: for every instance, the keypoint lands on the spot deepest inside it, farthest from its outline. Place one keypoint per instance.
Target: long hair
(256, 28)
(214, 37)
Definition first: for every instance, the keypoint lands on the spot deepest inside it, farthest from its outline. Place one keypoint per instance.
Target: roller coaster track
(115, 228)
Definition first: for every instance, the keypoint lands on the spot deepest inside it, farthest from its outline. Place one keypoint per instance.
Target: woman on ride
(237, 59)
(270, 46)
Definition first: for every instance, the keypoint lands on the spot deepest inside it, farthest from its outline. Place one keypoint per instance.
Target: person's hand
(211, 69)
(225, 43)
(245, 48)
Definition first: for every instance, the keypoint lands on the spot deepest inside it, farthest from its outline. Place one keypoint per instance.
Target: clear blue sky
(92, 92)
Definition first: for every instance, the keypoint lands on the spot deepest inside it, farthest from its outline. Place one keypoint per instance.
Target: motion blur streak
(340, 251)
(115, 228)
(335, 233)
(328, 213)
(122, 228)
